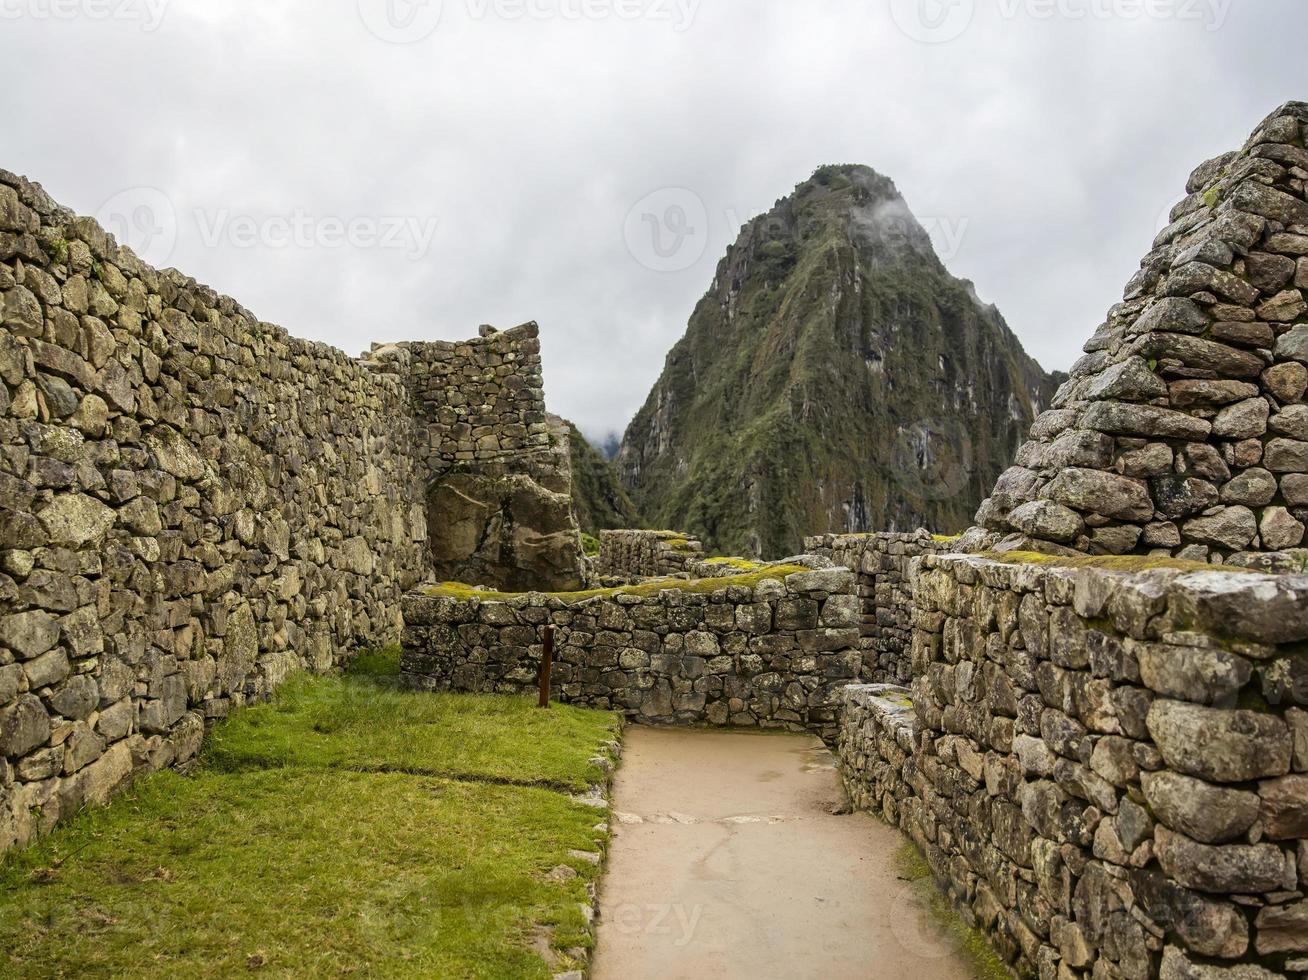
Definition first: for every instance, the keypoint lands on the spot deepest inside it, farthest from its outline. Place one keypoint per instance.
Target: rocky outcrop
(1183, 430)
(598, 498)
(497, 466)
(835, 378)
(508, 525)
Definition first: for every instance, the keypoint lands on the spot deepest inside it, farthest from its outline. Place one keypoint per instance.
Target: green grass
(291, 851)
(349, 723)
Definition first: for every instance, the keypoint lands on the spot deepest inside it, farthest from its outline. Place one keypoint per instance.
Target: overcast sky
(365, 170)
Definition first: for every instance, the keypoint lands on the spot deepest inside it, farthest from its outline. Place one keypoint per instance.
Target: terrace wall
(1107, 770)
(772, 653)
(883, 563)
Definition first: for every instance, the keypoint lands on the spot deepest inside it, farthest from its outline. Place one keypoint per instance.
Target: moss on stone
(744, 564)
(943, 538)
(971, 943)
(650, 587)
(1109, 563)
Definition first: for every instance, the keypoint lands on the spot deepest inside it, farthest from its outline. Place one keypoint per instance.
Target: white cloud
(524, 131)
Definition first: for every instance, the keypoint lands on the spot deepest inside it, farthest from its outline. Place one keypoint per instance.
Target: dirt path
(727, 862)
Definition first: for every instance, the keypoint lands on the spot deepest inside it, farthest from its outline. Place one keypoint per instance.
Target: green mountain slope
(835, 377)
(598, 498)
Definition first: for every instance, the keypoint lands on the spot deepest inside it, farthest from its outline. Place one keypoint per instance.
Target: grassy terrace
(347, 828)
(649, 587)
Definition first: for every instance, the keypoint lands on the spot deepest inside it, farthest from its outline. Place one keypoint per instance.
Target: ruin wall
(744, 651)
(1107, 770)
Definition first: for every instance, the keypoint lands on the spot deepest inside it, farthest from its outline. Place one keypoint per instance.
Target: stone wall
(883, 563)
(749, 650)
(1183, 430)
(496, 466)
(1107, 769)
(193, 503)
(630, 554)
(478, 400)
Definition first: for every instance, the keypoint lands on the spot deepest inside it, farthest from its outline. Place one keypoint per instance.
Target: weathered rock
(1282, 928)
(1224, 869)
(1045, 519)
(1279, 529)
(1097, 492)
(1210, 814)
(1231, 527)
(1285, 807)
(1218, 744)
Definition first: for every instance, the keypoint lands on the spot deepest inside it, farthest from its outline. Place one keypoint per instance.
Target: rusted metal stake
(546, 663)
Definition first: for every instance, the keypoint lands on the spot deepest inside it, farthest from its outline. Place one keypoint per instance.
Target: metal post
(546, 663)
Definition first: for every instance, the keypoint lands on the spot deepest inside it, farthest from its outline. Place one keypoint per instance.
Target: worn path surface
(727, 862)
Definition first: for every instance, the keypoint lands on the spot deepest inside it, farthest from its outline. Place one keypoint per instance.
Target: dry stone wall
(883, 563)
(772, 653)
(1108, 770)
(1184, 430)
(193, 503)
(496, 466)
(630, 554)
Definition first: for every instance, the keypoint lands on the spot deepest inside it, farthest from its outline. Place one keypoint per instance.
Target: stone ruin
(1183, 430)
(1100, 747)
(194, 503)
(1103, 758)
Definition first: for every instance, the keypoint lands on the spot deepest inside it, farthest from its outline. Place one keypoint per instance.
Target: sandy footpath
(727, 862)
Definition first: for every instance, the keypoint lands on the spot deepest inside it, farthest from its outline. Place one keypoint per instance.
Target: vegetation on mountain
(835, 377)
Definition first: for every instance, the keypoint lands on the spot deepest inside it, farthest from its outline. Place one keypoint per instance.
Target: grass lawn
(347, 828)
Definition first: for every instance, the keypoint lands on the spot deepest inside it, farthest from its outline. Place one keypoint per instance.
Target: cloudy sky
(363, 170)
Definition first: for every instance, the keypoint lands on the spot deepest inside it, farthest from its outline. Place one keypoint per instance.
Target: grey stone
(1243, 420)
(1232, 527)
(1286, 456)
(1220, 868)
(1144, 420)
(24, 725)
(1045, 519)
(29, 634)
(1279, 529)
(1217, 744)
(1094, 491)
(1254, 487)
(1210, 814)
